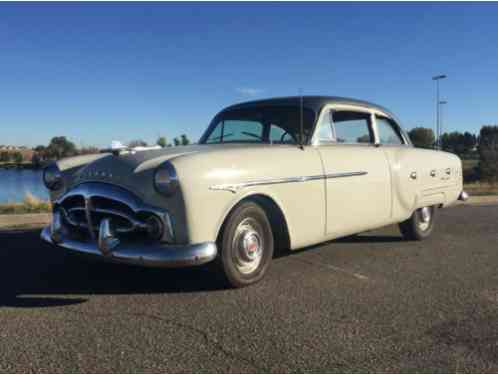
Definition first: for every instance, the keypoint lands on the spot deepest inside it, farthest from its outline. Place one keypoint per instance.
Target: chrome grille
(86, 205)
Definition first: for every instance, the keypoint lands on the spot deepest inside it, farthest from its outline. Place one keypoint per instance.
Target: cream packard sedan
(281, 173)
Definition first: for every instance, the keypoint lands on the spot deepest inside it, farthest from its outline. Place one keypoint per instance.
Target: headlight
(165, 179)
(52, 177)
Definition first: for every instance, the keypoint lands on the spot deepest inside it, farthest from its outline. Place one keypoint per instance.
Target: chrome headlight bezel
(52, 177)
(165, 179)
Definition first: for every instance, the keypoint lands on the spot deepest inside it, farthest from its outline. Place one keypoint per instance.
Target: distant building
(27, 153)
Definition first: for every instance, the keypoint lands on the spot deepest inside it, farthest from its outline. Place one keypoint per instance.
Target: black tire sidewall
(411, 230)
(245, 210)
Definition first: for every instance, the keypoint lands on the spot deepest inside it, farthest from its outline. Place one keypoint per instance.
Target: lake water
(15, 183)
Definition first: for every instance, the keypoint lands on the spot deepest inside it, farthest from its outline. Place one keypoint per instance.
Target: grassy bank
(22, 165)
(481, 188)
(29, 205)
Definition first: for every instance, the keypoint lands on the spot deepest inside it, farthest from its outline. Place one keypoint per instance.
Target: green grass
(29, 205)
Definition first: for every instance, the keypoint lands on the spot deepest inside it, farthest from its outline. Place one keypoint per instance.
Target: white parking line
(356, 275)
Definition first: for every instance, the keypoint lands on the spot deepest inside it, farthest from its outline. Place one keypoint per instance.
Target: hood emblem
(96, 174)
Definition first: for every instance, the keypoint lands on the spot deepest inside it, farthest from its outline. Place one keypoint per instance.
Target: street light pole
(442, 102)
(437, 78)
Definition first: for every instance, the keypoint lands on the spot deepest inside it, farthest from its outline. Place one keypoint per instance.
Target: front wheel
(420, 225)
(246, 245)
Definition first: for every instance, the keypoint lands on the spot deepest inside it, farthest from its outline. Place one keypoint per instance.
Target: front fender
(203, 178)
(238, 198)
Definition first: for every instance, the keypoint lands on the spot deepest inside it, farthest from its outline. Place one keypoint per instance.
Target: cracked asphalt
(370, 303)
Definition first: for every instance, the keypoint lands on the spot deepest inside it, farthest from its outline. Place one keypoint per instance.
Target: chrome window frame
(396, 127)
(315, 141)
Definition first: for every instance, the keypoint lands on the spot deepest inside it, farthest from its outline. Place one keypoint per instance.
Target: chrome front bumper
(165, 256)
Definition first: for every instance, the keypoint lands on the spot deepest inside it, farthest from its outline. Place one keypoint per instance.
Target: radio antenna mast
(301, 137)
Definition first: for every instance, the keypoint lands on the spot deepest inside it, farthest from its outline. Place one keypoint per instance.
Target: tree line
(61, 147)
(455, 142)
(11, 156)
(483, 147)
(162, 141)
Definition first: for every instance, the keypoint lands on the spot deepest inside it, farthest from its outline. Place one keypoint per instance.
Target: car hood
(117, 168)
(132, 169)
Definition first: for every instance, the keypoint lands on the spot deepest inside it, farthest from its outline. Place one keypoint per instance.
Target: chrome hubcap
(425, 218)
(248, 246)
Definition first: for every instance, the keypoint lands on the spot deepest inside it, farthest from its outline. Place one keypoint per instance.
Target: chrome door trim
(346, 174)
(285, 180)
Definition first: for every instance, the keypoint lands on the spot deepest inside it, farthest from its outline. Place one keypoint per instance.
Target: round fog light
(154, 227)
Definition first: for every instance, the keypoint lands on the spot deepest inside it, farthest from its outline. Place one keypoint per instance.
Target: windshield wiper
(253, 135)
(220, 137)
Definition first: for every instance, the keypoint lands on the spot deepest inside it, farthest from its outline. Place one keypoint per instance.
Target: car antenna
(301, 137)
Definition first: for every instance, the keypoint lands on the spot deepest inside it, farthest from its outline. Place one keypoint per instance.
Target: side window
(352, 127)
(324, 129)
(387, 134)
(236, 131)
(280, 135)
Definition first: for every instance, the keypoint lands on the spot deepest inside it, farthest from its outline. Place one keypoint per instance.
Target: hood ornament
(117, 148)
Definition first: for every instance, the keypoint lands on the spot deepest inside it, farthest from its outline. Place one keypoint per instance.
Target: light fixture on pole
(437, 79)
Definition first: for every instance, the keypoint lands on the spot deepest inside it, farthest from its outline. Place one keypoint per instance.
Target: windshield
(261, 124)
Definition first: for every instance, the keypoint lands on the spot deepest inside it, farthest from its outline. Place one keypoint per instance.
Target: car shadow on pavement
(360, 238)
(31, 271)
(370, 238)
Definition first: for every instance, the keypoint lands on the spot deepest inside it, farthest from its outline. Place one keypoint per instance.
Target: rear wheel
(246, 245)
(420, 225)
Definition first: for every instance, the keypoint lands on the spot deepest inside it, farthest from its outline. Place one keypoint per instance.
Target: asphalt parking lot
(372, 303)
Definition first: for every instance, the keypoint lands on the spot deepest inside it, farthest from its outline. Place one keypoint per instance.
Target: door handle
(448, 171)
(413, 175)
(433, 173)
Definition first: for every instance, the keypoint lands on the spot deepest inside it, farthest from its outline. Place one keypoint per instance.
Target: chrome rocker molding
(272, 181)
(162, 256)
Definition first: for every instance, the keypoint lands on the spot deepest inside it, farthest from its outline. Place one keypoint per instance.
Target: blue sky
(98, 72)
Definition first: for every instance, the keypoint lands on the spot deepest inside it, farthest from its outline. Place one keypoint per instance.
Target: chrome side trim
(347, 174)
(272, 181)
(159, 255)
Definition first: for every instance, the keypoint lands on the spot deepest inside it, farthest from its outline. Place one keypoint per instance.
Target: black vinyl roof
(315, 103)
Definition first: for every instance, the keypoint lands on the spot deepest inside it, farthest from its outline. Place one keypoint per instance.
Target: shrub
(488, 154)
(422, 137)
